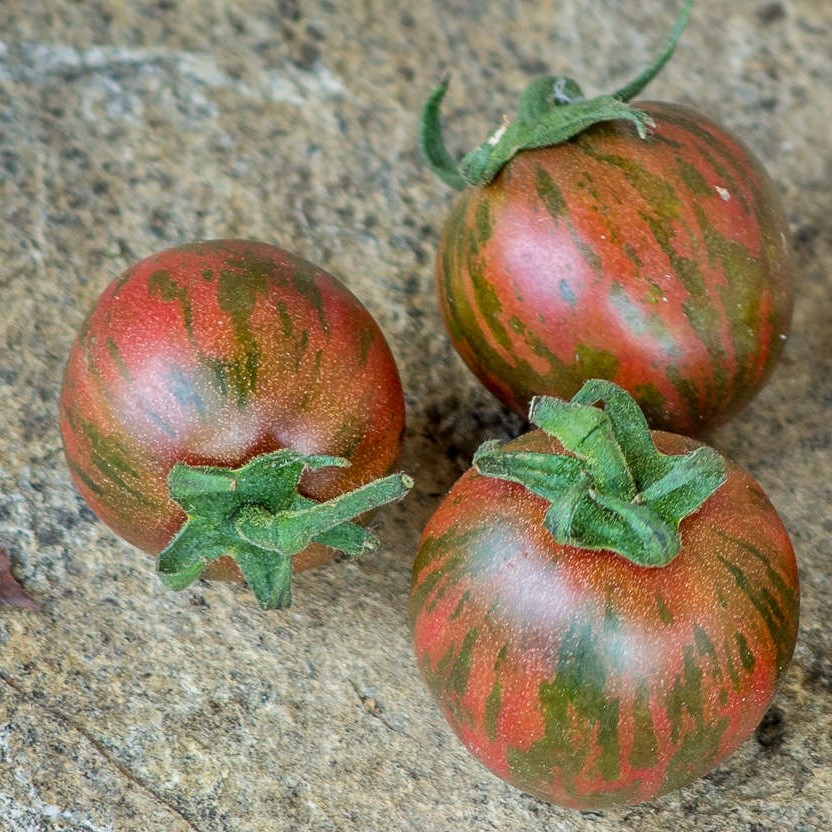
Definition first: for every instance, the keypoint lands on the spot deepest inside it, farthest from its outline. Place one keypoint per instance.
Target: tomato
(656, 256)
(214, 354)
(573, 671)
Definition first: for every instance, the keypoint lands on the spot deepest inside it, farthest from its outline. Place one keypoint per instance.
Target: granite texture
(126, 127)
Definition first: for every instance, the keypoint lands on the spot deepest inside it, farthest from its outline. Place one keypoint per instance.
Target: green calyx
(615, 490)
(255, 515)
(552, 110)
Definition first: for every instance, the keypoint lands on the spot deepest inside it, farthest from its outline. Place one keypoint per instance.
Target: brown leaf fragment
(11, 592)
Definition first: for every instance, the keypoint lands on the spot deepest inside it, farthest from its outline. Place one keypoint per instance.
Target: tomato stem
(289, 532)
(255, 515)
(552, 110)
(612, 489)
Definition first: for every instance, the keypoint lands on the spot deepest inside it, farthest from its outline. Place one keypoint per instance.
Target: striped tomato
(597, 635)
(198, 361)
(654, 255)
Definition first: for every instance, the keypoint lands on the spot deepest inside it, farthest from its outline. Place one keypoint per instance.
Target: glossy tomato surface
(661, 264)
(210, 354)
(582, 678)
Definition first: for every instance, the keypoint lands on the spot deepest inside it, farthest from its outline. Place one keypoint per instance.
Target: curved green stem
(635, 87)
(255, 515)
(436, 154)
(612, 488)
(289, 532)
(552, 110)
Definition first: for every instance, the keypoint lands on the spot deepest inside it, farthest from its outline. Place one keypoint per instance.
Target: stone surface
(126, 127)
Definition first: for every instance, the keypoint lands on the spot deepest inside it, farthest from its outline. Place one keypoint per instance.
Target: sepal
(256, 516)
(610, 488)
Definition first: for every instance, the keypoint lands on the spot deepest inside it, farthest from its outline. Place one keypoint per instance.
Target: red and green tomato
(580, 676)
(211, 354)
(661, 264)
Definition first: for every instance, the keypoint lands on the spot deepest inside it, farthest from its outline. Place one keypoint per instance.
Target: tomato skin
(212, 353)
(660, 264)
(582, 678)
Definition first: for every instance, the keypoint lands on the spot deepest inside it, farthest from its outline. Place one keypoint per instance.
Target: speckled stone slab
(127, 127)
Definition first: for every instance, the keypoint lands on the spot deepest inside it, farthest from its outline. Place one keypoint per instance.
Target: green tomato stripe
(692, 178)
(238, 291)
(651, 400)
(109, 454)
(460, 607)
(451, 262)
(713, 148)
(482, 222)
(746, 656)
(494, 704)
(665, 613)
(303, 276)
(685, 388)
(459, 257)
(366, 340)
(776, 613)
(350, 432)
(120, 282)
(161, 284)
(460, 667)
(727, 179)
(486, 299)
(685, 696)
(786, 592)
(731, 668)
(84, 477)
(701, 659)
(645, 749)
(286, 323)
(217, 371)
(111, 458)
(698, 754)
(746, 304)
(432, 584)
(493, 708)
(550, 196)
(697, 749)
(558, 209)
(156, 419)
(461, 317)
(84, 332)
(450, 570)
(117, 359)
(578, 688)
(738, 176)
(313, 386)
(705, 647)
(301, 348)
